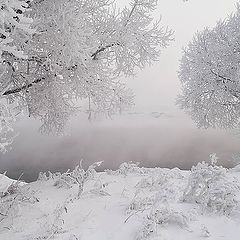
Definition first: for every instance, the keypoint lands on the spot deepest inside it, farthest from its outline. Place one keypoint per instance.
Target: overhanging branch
(102, 49)
(19, 89)
(24, 87)
(222, 77)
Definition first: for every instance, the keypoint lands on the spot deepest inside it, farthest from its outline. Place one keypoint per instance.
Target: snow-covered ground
(5, 182)
(131, 203)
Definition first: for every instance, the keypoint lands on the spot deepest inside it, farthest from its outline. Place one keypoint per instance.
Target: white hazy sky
(159, 85)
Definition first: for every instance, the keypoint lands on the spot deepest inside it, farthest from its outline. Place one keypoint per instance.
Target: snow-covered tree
(77, 55)
(14, 30)
(209, 73)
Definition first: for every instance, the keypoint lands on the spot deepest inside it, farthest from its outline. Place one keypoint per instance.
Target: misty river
(153, 139)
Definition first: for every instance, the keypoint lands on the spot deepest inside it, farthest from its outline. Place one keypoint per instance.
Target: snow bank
(131, 203)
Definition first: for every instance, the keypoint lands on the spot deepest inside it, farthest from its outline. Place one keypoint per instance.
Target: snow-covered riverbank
(130, 203)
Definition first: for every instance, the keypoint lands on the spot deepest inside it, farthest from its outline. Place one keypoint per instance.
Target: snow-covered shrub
(128, 168)
(169, 216)
(161, 187)
(160, 216)
(11, 201)
(70, 178)
(42, 176)
(162, 177)
(64, 180)
(139, 204)
(209, 186)
(144, 183)
(168, 193)
(157, 180)
(45, 176)
(166, 183)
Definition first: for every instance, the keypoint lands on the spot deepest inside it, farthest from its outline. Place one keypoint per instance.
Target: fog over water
(154, 139)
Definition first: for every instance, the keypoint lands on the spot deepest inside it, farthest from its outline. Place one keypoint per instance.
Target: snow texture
(129, 203)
